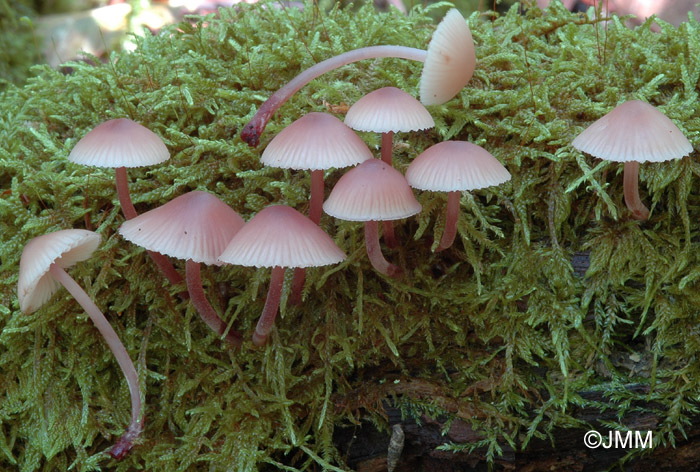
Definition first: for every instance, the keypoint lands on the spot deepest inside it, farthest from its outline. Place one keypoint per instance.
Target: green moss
(499, 328)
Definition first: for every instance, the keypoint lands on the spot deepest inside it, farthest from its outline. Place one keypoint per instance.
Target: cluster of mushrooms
(279, 236)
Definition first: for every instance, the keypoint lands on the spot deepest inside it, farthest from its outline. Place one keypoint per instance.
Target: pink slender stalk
(272, 304)
(126, 442)
(388, 226)
(448, 236)
(374, 252)
(204, 308)
(315, 209)
(630, 186)
(129, 211)
(253, 130)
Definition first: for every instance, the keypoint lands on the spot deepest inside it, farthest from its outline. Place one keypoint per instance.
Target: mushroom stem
(388, 226)
(129, 211)
(272, 304)
(203, 307)
(315, 210)
(630, 185)
(124, 443)
(374, 252)
(255, 127)
(448, 236)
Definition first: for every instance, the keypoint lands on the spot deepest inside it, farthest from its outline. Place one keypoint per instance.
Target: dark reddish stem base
(448, 236)
(630, 185)
(272, 304)
(374, 252)
(204, 308)
(122, 447)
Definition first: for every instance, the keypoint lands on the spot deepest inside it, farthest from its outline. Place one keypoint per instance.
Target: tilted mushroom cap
(372, 191)
(119, 143)
(316, 141)
(195, 226)
(65, 248)
(633, 131)
(280, 236)
(388, 109)
(450, 61)
(455, 166)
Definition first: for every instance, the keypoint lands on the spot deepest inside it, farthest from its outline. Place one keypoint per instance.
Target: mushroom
(386, 111)
(119, 144)
(41, 270)
(633, 132)
(453, 167)
(279, 237)
(373, 191)
(315, 142)
(196, 227)
(449, 64)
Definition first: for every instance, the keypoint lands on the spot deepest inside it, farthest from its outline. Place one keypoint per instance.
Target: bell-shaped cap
(314, 142)
(280, 236)
(455, 166)
(372, 191)
(388, 109)
(65, 248)
(633, 131)
(195, 226)
(450, 61)
(119, 143)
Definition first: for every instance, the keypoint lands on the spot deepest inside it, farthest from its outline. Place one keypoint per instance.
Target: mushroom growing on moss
(371, 192)
(633, 132)
(314, 142)
(41, 270)
(452, 167)
(449, 64)
(196, 227)
(119, 144)
(279, 237)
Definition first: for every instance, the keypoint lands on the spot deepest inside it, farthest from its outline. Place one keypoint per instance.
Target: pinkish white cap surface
(450, 61)
(280, 236)
(316, 141)
(195, 226)
(388, 109)
(119, 143)
(454, 166)
(65, 248)
(633, 131)
(372, 191)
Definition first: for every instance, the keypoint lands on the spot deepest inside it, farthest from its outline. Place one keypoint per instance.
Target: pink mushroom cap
(455, 166)
(67, 247)
(388, 109)
(119, 143)
(450, 60)
(280, 236)
(372, 191)
(315, 141)
(633, 131)
(195, 226)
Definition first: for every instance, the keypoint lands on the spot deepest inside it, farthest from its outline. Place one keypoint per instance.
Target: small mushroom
(449, 64)
(388, 110)
(119, 144)
(315, 142)
(279, 237)
(373, 191)
(453, 167)
(41, 270)
(196, 227)
(633, 132)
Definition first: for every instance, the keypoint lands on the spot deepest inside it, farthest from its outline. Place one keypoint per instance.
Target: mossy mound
(500, 331)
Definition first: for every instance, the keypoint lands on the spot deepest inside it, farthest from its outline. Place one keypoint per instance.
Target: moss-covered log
(499, 332)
